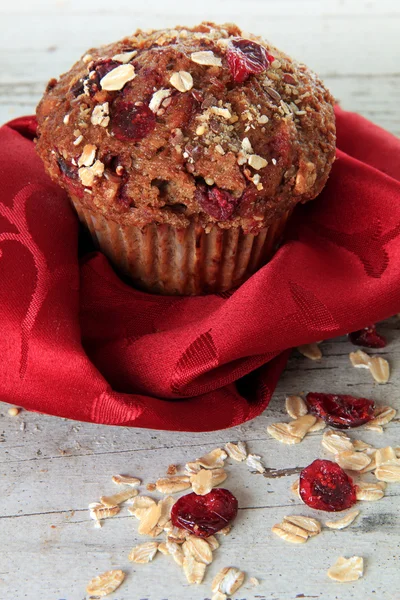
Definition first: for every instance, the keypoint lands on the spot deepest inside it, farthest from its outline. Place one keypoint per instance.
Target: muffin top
(207, 123)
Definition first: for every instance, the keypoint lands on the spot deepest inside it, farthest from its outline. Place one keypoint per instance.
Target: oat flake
(347, 569)
(106, 583)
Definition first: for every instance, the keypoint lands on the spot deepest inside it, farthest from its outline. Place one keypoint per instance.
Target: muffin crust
(169, 127)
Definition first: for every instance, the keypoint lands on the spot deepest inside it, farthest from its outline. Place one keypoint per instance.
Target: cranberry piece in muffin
(246, 58)
(215, 202)
(130, 122)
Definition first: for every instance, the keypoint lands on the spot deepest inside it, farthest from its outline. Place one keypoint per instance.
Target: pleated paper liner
(162, 259)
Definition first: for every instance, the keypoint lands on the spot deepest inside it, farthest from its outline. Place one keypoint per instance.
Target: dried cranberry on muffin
(185, 151)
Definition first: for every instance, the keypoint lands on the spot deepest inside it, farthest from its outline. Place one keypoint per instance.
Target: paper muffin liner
(163, 259)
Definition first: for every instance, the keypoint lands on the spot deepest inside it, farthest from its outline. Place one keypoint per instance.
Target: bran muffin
(184, 151)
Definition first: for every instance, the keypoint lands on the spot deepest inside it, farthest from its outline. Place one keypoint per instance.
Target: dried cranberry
(66, 169)
(325, 486)
(198, 96)
(341, 412)
(124, 198)
(245, 58)
(131, 122)
(215, 202)
(368, 337)
(205, 515)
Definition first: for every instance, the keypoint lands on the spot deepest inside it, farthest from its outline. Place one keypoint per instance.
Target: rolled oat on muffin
(185, 151)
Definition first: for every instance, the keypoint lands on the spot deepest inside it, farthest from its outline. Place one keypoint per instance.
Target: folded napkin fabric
(78, 342)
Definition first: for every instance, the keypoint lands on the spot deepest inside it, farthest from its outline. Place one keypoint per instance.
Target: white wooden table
(52, 468)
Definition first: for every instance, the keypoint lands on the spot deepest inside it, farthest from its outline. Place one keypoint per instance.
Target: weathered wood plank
(54, 468)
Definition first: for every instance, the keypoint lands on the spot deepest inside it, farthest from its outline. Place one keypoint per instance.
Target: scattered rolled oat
(280, 432)
(347, 569)
(311, 351)
(301, 426)
(297, 529)
(143, 553)
(162, 547)
(126, 480)
(149, 520)
(207, 58)
(380, 369)
(227, 581)
(98, 512)
(354, 461)
(193, 569)
(140, 502)
(166, 505)
(13, 411)
(295, 406)
(254, 581)
(225, 530)
(254, 462)
(212, 542)
(175, 550)
(385, 456)
(344, 521)
(173, 484)
(106, 583)
(295, 489)
(383, 415)
(237, 451)
(370, 492)
(199, 549)
(336, 441)
(311, 526)
(373, 427)
(378, 366)
(389, 473)
(360, 446)
(372, 465)
(116, 79)
(218, 476)
(359, 359)
(289, 536)
(219, 596)
(318, 426)
(118, 498)
(202, 482)
(212, 460)
(182, 81)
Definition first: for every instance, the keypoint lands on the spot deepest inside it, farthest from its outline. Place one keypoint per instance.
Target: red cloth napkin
(78, 342)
